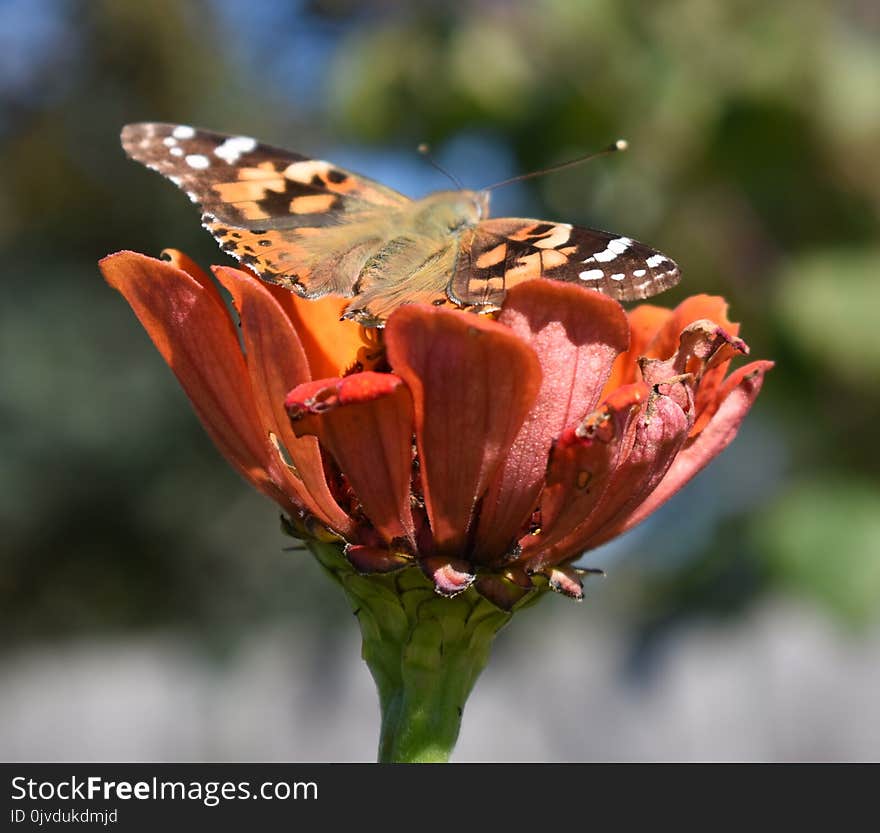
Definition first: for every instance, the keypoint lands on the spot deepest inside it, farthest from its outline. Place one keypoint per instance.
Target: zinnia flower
(486, 453)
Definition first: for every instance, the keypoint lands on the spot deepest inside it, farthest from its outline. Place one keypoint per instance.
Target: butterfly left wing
(303, 223)
(503, 252)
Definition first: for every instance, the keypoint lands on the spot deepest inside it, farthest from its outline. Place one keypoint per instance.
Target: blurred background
(147, 609)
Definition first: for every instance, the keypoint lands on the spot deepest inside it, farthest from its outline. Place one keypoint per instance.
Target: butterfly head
(450, 212)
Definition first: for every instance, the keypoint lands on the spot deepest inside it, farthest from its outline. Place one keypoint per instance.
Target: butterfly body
(316, 229)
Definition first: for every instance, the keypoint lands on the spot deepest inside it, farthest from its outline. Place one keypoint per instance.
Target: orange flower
(490, 452)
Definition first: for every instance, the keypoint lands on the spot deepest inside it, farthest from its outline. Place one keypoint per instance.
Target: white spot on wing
(612, 249)
(655, 260)
(169, 141)
(592, 275)
(176, 151)
(618, 276)
(234, 147)
(639, 273)
(197, 161)
(183, 131)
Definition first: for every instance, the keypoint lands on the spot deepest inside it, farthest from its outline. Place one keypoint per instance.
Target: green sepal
(425, 651)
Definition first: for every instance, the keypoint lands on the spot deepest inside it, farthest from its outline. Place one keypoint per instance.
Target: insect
(317, 230)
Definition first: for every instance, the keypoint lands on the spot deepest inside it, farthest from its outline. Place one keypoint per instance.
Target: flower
(489, 451)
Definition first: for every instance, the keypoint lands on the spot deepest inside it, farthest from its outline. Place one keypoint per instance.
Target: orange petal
(331, 345)
(713, 307)
(189, 324)
(183, 261)
(645, 321)
(276, 363)
(365, 421)
(473, 382)
(576, 334)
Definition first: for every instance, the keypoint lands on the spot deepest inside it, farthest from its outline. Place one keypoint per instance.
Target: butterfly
(318, 230)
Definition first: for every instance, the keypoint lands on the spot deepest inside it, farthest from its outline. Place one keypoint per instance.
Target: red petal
(576, 334)
(581, 467)
(737, 396)
(365, 421)
(473, 382)
(658, 434)
(368, 560)
(276, 362)
(189, 324)
(502, 590)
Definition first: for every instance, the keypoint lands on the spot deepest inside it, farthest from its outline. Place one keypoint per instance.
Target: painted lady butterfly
(318, 230)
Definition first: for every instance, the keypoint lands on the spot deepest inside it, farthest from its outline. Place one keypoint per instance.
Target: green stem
(424, 651)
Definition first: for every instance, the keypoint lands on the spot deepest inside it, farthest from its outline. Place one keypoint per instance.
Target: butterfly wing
(506, 251)
(300, 222)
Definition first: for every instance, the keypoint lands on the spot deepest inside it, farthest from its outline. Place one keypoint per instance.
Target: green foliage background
(754, 130)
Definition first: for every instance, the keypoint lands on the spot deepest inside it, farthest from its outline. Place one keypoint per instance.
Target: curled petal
(582, 464)
(365, 421)
(712, 379)
(276, 363)
(566, 580)
(701, 345)
(472, 382)
(700, 362)
(576, 334)
(451, 576)
(736, 398)
(711, 307)
(658, 432)
(187, 320)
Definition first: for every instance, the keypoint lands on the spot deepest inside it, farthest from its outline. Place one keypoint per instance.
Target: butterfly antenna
(620, 144)
(425, 150)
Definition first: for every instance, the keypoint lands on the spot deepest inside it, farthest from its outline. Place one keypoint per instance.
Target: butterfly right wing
(302, 223)
(503, 252)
